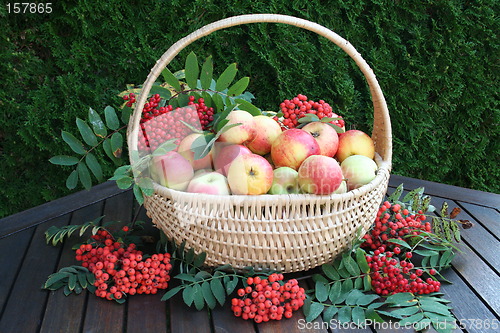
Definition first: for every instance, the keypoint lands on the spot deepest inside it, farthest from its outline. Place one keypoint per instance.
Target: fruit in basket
(225, 155)
(285, 181)
(292, 147)
(320, 174)
(359, 170)
(267, 130)
(243, 133)
(250, 174)
(209, 183)
(342, 188)
(298, 107)
(185, 150)
(354, 142)
(172, 170)
(325, 135)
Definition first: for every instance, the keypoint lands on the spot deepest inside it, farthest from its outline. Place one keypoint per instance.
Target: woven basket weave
(283, 232)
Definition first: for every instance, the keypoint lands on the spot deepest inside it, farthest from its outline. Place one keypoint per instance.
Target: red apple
(267, 130)
(325, 135)
(226, 155)
(209, 183)
(355, 142)
(292, 147)
(240, 134)
(250, 174)
(186, 152)
(320, 174)
(171, 170)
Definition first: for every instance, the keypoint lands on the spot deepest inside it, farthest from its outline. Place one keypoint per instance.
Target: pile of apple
(258, 156)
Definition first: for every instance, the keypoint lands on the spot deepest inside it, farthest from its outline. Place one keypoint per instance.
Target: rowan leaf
(75, 144)
(111, 118)
(314, 311)
(239, 87)
(206, 75)
(208, 295)
(226, 77)
(84, 175)
(64, 160)
(171, 79)
(72, 180)
(94, 166)
(192, 70)
(97, 124)
(86, 132)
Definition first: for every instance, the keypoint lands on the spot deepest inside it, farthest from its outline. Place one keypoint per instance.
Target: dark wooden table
(26, 262)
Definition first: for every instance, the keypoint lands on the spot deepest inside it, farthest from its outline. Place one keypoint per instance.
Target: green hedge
(436, 61)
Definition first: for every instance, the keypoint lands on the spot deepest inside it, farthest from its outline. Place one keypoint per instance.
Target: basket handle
(381, 134)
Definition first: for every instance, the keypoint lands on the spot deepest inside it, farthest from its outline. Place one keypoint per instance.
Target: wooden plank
(26, 303)
(466, 305)
(58, 207)
(477, 237)
(103, 315)
(186, 319)
(16, 246)
(146, 313)
(488, 217)
(449, 191)
(65, 313)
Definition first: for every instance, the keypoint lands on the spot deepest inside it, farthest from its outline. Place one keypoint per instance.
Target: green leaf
(199, 301)
(433, 247)
(116, 144)
(247, 106)
(390, 314)
(321, 291)
(82, 279)
(171, 79)
(399, 242)
(186, 277)
(206, 75)
(124, 182)
(335, 292)
(239, 87)
(436, 307)
(106, 145)
(361, 260)
(366, 299)
(314, 311)
(138, 194)
(171, 293)
(358, 283)
(97, 124)
(330, 272)
(347, 286)
(219, 102)
(308, 118)
(396, 195)
(358, 316)
(408, 311)
(446, 259)
(367, 283)
(373, 316)
(329, 313)
(192, 70)
(412, 319)
(72, 281)
(72, 180)
(111, 118)
(86, 132)
(53, 278)
(218, 290)
(84, 175)
(67, 291)
(202, 275)
(200, 259)
(75, 144)
(64, 160)
(426, 253)
(226, 77)
(165, 147)
(344, 315)
(422, 325)
(400, 298)
(208, 295)
(94, 166)
(188, 295)
(231, 285)
(350, 265)
(90, 279)
(353, 296)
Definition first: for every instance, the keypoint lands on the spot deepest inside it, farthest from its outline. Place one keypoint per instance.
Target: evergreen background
(436, 61)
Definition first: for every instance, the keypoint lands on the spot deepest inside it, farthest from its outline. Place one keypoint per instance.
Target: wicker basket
(284, 232)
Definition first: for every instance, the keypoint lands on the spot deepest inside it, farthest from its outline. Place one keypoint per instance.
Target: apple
(267, 130)
(200, 172)
(240, 134)
(285, 181)
(292, 147)
(209, 183)
(171, 170)
(185, 150)
(320, 174)
(342, 188)
(354, 142)
(325, 135)
(358, 170)
(226, 155)
(250, 174)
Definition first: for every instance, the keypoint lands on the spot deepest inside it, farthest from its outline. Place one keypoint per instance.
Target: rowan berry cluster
(394, 222)
(268, 299)
(121, 269)
(205, 113)
(390, 275)
(300, 106)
